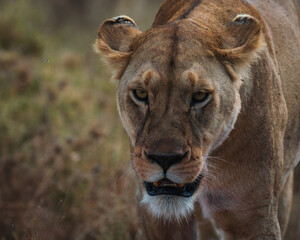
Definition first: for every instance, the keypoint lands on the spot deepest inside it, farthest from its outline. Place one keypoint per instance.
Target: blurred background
(63, 152)
(64, 171)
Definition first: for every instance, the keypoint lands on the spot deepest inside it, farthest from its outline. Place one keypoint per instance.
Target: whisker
(218, 158)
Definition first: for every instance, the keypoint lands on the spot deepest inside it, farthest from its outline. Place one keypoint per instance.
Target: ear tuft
(243, 19)
(123, 19)
(115, 36)
(118, 33)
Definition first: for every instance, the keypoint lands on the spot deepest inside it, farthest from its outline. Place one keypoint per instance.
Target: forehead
(174, 44)
(171, 53)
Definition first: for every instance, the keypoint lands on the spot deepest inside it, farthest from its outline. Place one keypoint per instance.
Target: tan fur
(245, 140)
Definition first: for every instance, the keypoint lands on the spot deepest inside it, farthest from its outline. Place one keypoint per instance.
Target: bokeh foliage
(64, 156)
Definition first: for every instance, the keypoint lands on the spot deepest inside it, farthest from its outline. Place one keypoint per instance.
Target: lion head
(178, 99)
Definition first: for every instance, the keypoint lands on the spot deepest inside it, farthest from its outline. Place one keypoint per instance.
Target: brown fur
(246, 55)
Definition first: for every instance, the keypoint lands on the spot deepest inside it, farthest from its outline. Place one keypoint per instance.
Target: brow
(198, 82)
(143, 79)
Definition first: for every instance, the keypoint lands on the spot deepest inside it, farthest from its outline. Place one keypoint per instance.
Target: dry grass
(64, 156)
(64, 153)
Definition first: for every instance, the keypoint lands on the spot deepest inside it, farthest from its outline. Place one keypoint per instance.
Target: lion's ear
(114, 38)
(242, 41)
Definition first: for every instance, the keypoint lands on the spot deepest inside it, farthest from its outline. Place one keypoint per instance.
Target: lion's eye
(200, 97)
(140, 95)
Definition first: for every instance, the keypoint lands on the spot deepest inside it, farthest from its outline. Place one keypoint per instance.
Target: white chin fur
(169, 207)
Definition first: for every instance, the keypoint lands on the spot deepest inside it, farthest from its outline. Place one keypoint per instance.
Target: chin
(169, 201)
(169, 207)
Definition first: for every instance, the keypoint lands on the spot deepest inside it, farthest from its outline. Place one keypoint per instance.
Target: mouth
(167, 187)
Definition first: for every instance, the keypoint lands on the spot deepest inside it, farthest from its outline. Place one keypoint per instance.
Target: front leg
(245, 218)
(264, 230)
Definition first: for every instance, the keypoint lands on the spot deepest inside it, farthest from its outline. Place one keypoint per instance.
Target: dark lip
(186, 191)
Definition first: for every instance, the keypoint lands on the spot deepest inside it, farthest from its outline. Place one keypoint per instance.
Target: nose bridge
(176, 120)
(175, 112)
(167, 145)
(166, 135)
(166, 127)
(167, 119)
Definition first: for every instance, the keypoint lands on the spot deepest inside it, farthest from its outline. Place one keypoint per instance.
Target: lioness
(209, 99)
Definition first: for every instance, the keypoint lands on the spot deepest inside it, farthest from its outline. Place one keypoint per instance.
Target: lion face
(175, 113)
(177, 102)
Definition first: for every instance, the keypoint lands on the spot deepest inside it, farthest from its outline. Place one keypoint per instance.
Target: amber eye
(200, 97)
(140, 95)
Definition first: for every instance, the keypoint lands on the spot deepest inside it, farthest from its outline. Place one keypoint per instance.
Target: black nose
(165, 161)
